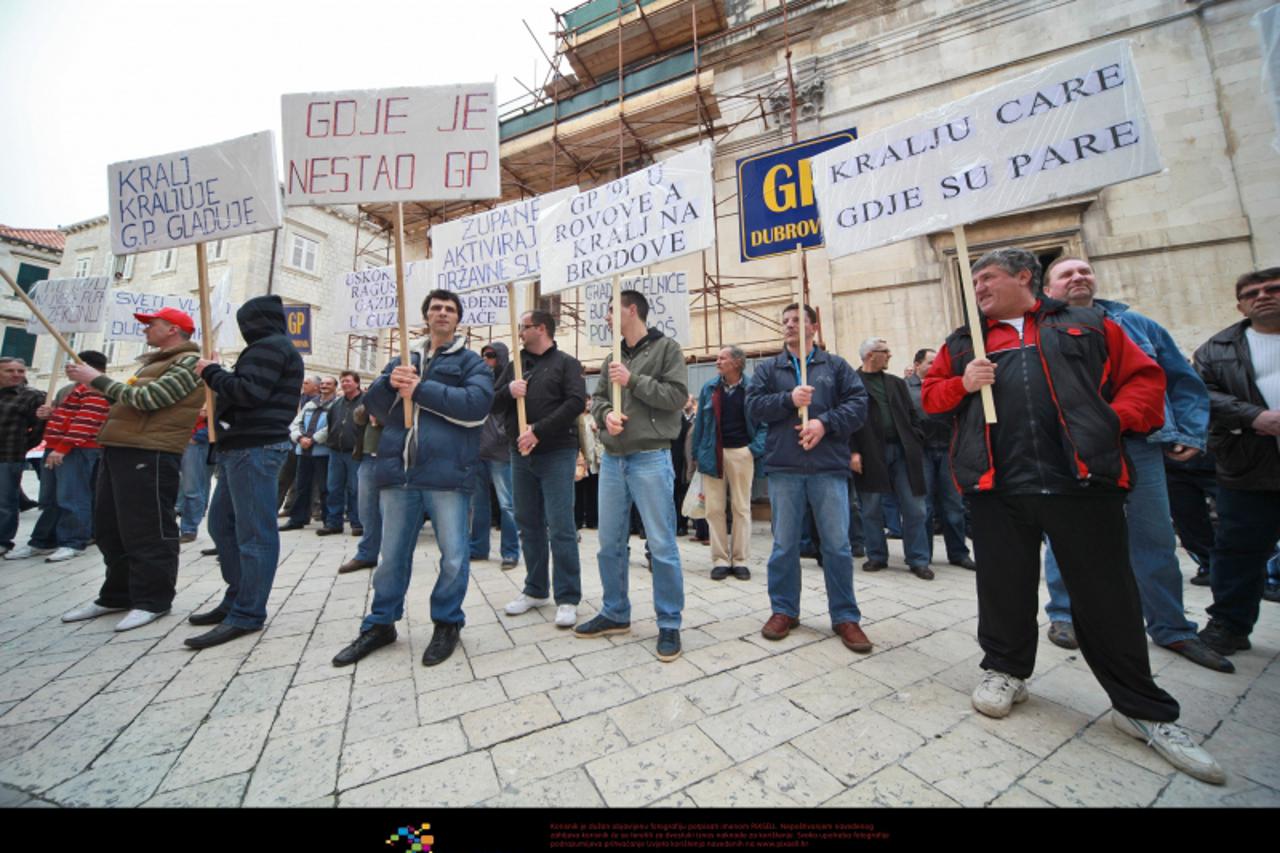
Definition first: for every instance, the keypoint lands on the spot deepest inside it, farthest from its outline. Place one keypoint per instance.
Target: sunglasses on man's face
(1272, 289)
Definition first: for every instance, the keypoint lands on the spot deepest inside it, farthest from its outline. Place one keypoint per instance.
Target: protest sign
(490, 248)
(69, 304)
(668, 296)
(658, 213)
(194, 195)
(367, 298)
(1070, 127)
(123, 304)
(384, 145)
(485, 307)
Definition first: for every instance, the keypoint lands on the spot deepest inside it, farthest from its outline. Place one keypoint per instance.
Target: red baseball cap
(178, 318)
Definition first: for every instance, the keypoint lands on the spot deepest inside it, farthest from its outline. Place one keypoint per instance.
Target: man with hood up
(255, 404)
(494, 467)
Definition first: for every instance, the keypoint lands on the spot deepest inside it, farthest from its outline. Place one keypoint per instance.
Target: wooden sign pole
(400, 297)
(59, 359)
(974, 318)
(617, 339)
(804, 322)
(206, 334)
(39, 315)
(516, 362)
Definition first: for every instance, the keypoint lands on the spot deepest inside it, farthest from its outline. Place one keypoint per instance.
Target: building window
(109, 267)
(302, 253)
(126, 271)
(216, 251)
(82, 265)
(365, 350)
(166, 260)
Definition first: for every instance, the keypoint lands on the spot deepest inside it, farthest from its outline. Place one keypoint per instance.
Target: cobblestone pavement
(525, 714)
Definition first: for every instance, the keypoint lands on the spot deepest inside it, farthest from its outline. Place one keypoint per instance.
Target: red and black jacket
(1065, 393)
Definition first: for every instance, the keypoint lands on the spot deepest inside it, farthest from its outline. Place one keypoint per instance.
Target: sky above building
(84, 84)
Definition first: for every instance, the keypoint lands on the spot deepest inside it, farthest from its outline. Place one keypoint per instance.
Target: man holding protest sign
(543, 460)
(428, 467)
(1067, 383)
(144, 437)
(637, 469)
(808, 466)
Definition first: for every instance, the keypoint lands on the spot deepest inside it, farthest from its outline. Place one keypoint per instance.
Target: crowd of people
(1106, 445)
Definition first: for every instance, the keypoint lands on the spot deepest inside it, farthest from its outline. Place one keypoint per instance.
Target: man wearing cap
(143, 440)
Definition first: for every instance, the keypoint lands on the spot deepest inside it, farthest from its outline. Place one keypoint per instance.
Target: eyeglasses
(1272, 289)
(489, 355)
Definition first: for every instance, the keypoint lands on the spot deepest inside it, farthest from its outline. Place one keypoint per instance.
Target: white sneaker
(22, 552)
(998, 693)
(1174, 745)
(524, 604)
(91, 610)
(138, 618)
(63, 554)
(567, 615)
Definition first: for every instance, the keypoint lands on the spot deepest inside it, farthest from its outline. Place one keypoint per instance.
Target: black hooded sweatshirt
(257, 400)
(493, 438)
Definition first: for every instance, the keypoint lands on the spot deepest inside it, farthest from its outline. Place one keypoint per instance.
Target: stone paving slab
(526, 715)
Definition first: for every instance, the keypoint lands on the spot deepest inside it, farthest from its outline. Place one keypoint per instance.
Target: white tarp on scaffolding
(647, 217)
(668, 296)
(1070, 127)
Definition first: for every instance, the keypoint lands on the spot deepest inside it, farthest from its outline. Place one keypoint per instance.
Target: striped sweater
(76, 421)
(159, 405)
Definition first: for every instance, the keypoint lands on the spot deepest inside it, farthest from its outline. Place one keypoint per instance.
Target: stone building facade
(27, 255)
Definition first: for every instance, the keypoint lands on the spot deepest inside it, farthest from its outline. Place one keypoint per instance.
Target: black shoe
(668, 644)
(1222, 639)
(1271, 592)
(874, 566)
(859, 551)
(1197, 651)
(1201, 578)
(219, 635)
(209, 617)
(742, 573)
(1063, 635)
(209, 552)
(893, 536)
(329, 531)
(368, 641)
(443, 642)
(719, 573)
(293, 525)
(923, 572)
(965, 563)
(357, 531)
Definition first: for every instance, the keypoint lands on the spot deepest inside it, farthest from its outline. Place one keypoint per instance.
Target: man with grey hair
(726, 444)
(1067, 383)
(888, 458)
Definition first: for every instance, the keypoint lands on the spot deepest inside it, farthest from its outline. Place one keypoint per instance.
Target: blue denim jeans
(915, 541)
(193, 488)
(543, 486)
(342, 484)
(10, 488)
(242, 523)
(1248, 526)
(74, 489)
(828, 495)
(1152, 552)
(45, 532)
(370, 511)
(498, 473)
(402, 513)
(646, 479)
(942, 492)
(856, 539)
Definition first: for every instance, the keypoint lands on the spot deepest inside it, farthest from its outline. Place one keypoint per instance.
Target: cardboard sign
(384, 145)
(668, 296)
(195, 195)
(1068, 128)
(490, 248)
(776, 207)
(367, 298)
(70, 304)
(123, 304)
(658, 213)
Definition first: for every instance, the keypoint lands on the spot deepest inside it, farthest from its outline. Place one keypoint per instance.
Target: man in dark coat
(888, 458)
(494, 467)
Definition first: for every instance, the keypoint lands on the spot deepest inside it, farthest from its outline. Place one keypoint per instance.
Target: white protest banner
(668, 296)
(226, 331)
(485, 308)
(123, 304)
(383, 145)
(367, 298)
(1070, 127)
(194, 195)
(658, 213)
(490, 248)
(69, 304)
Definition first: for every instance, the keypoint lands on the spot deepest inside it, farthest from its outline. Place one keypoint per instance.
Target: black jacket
(345, 434)
(493, 435)
(257, 400)
(1245, 459)
(869, 440)
(556, 395)
(937, 430)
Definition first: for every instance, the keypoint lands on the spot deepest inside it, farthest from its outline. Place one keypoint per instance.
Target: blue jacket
(705, 434)
(839, 401)
(1186, 399)
(451, 403)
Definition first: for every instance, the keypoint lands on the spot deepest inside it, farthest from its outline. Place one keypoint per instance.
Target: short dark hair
(808, 312)
(1269, 274)
(446, 295)
(1013, 261)
(352, 374)
(545, 319)
(636, 298)
(93, 358)
(921, 353)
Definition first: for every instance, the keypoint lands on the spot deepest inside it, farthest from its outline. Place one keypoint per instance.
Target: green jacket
(652, 400)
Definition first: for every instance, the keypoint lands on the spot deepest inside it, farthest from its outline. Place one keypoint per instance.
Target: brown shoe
(355, 566)
(850, 633)
(778, 626)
